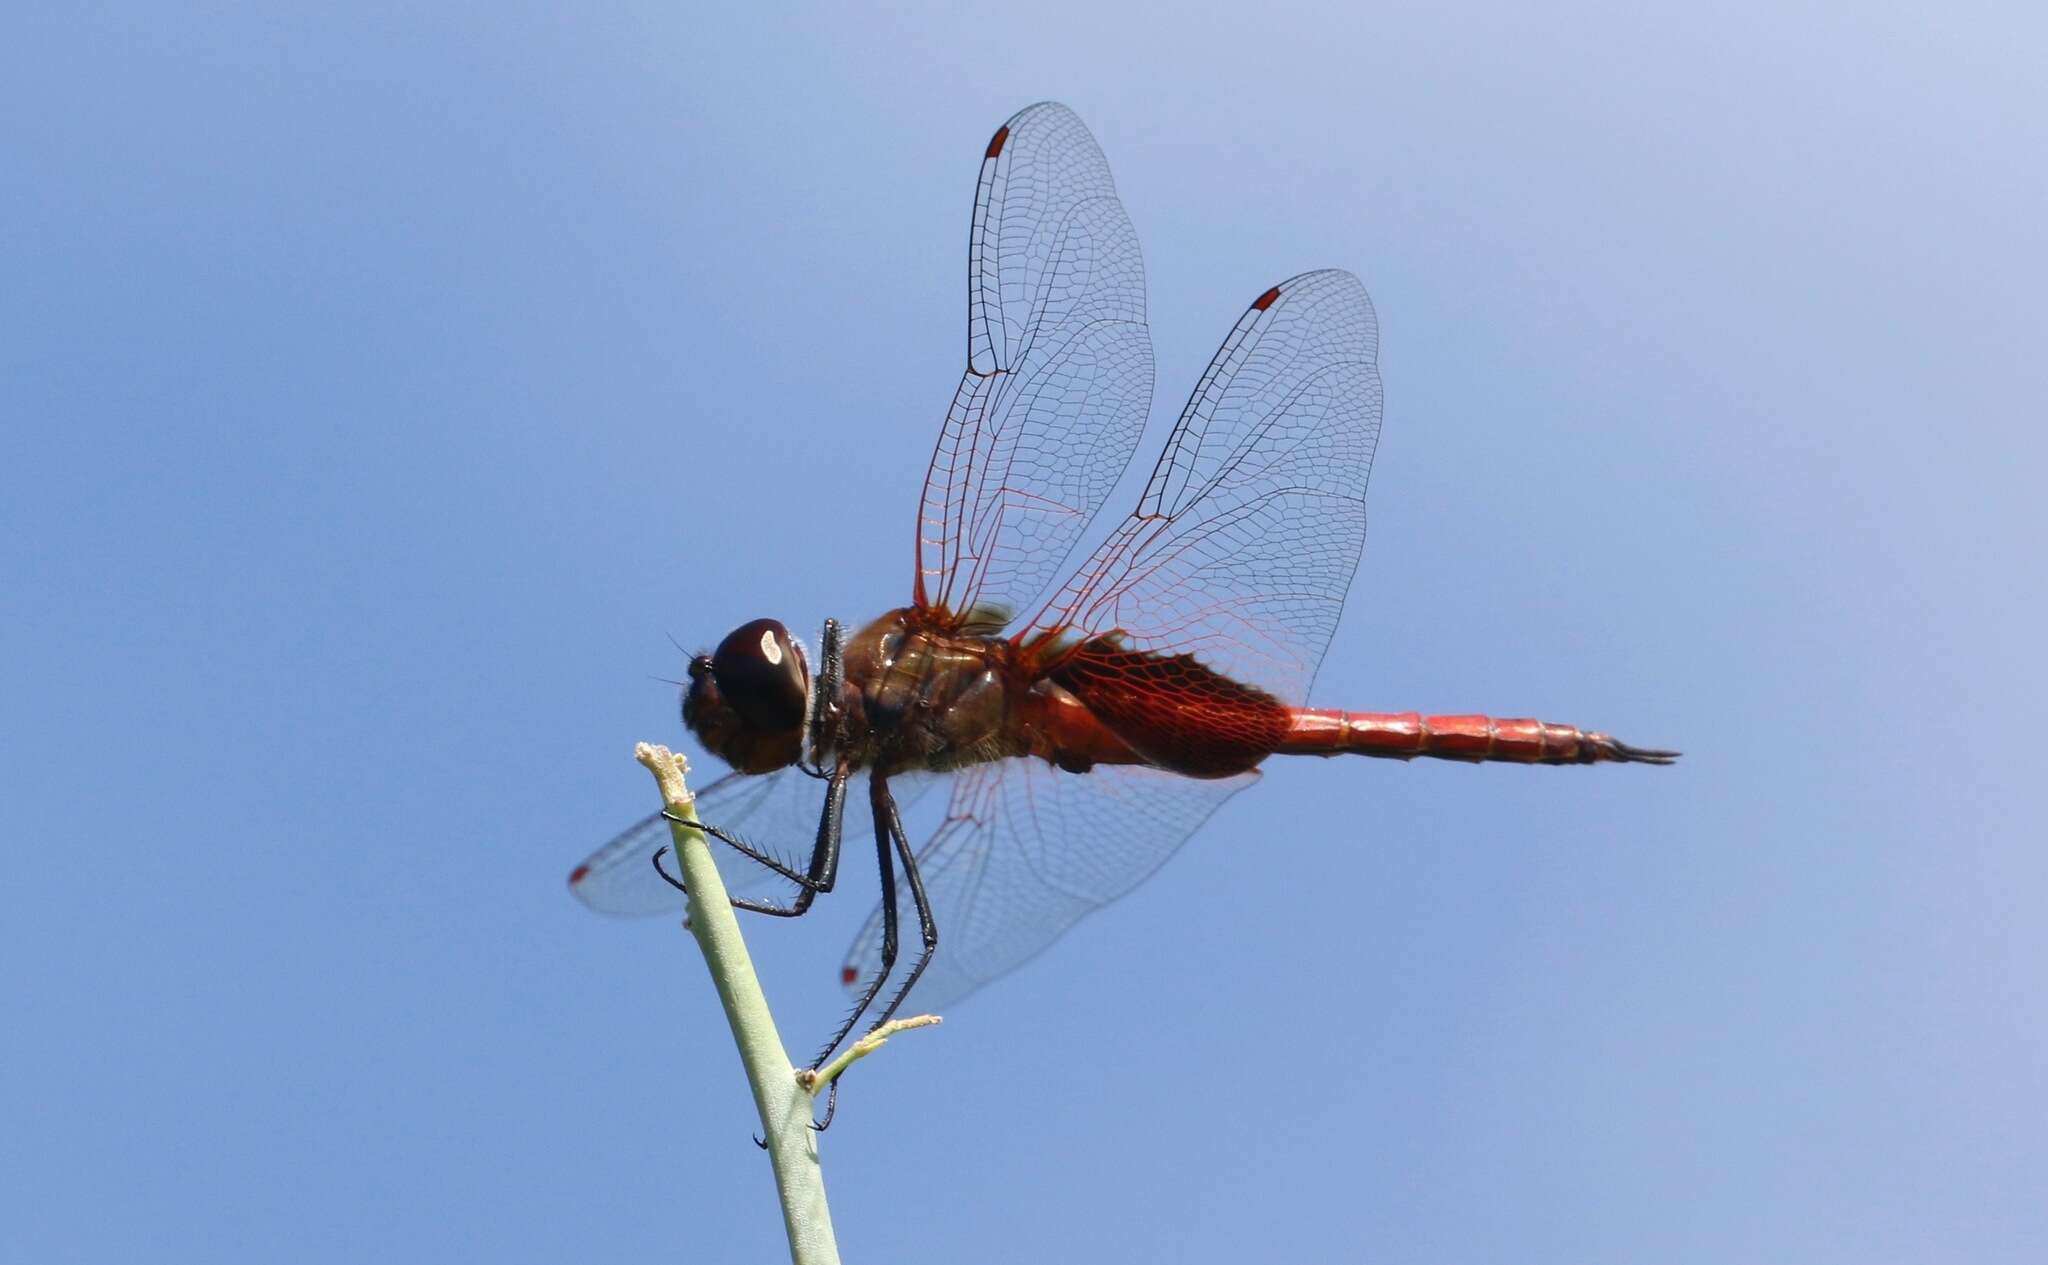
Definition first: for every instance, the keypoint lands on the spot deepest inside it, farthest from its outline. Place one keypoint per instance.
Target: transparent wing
(1240, 553)
(1243, 547)
(775, 812)
(1059, 372)
(1025, 852)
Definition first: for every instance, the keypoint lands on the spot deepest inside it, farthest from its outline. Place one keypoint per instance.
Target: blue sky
(385, 387)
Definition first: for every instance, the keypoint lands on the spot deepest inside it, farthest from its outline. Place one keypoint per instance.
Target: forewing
(1058, 381)
(775, 812)
(1244, 544)
(1025, 852)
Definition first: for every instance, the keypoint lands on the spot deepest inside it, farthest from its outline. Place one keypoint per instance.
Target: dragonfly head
(746, 700)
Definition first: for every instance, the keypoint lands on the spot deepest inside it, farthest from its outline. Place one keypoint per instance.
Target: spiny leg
(828, 718)
(823, 871)
(928, 928)
(885, 863)
(889, 834)
(737, 902)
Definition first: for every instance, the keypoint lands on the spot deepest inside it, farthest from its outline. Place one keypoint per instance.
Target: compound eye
(762, 675)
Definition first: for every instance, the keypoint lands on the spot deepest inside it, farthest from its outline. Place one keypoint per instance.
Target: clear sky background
(382, 386)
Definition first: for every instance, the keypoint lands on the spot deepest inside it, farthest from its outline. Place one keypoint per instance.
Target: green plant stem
(860, 1049)
(784, 1104)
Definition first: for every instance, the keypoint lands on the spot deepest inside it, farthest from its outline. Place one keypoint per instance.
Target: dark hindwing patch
(1172, 710)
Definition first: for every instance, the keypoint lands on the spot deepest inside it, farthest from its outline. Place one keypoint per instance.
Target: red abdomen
(1173, 713)
(1406, 735)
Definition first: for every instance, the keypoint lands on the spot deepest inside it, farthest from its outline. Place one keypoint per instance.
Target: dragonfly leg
(928, 928)
(823, 872)
(828, 719)
(737, 902)
(831, 1106)
(884, 861)
(765, 860)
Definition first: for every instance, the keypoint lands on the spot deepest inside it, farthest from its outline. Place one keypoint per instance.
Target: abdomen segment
(1406, 735)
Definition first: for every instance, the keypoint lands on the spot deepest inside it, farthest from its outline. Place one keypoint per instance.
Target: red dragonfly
(1087, 718)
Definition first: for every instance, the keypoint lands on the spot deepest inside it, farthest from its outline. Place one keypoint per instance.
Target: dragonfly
(1082, 710)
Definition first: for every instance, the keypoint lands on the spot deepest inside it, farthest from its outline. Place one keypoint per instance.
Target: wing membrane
(1243, 547)
(1240, 553)
(1025, 852)
(1059, 372)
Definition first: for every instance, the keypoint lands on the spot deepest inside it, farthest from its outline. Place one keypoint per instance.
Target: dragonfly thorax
(922, 697)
